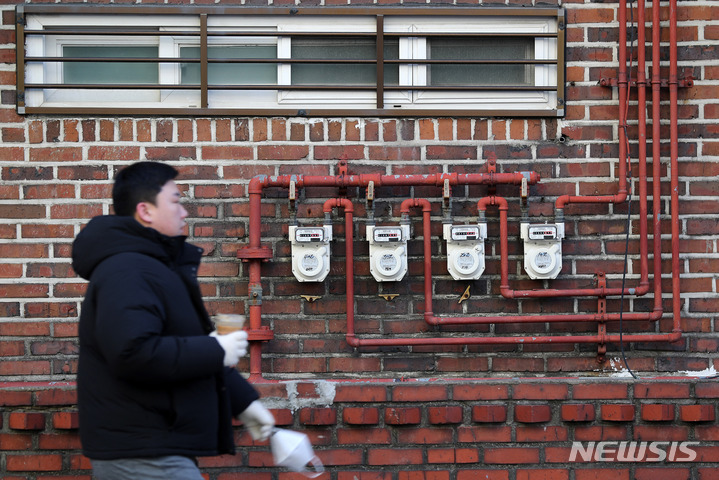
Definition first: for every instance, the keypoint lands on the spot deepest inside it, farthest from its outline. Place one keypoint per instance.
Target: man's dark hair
(137, 183)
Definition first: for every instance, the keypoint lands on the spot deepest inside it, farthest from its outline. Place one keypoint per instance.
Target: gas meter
(542, 249)
(388, 252)
(310, 252)
(465, 250)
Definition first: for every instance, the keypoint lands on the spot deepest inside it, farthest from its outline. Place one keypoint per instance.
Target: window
(273, 61)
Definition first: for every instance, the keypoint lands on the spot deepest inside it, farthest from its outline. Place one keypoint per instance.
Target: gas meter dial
(310, 252)
(388, 252)
(465, 250)
(542, 249)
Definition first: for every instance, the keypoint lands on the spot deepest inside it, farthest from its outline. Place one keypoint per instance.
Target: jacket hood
(109, 235)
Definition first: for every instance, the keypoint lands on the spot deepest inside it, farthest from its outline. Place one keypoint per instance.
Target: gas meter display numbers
(542, 232)
(309, 234)
(465, 233)
(388, 234)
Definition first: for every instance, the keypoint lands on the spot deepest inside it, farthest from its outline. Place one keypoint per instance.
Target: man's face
(167, 215)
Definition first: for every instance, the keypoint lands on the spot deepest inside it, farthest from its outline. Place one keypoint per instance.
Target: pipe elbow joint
(675, 336)
(561, 202)
(506, 291)
(338, 202)
(257, 184)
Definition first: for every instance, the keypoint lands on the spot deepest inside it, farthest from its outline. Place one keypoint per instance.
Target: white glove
(234, 344)
(258, 420)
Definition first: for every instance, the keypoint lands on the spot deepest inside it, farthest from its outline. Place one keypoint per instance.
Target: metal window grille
(203, 35)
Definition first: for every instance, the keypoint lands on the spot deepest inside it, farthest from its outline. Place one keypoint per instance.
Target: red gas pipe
(255, 252)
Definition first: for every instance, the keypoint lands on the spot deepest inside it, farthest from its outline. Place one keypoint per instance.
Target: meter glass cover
(465, 233)
(466, 261)
(309, 234)
(387, 234)
(543, 260)
(388, 262)
(310, 263)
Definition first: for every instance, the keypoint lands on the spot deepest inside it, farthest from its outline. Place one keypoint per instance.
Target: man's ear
(143, 213)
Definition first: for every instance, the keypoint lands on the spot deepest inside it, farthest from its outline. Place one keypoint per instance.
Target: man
(155, 383)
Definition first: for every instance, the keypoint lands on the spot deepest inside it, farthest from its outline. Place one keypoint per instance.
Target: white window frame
(413, 76)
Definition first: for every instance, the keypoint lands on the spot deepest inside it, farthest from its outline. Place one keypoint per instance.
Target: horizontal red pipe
(258, 183)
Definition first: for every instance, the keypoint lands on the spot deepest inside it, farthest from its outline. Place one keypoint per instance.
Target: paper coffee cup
(228, 322)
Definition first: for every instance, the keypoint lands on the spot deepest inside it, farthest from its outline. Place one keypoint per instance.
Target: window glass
(342, 73)
(231, 73)
(463, 49)
(110, 72)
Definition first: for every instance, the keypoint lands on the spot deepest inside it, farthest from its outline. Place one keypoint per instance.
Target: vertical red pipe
(656, 153)
(642, 145)
(674, 159)
(349, 260)
(427, 247)
(254, 273)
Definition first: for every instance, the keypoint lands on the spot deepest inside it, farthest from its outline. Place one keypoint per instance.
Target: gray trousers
(173, 467)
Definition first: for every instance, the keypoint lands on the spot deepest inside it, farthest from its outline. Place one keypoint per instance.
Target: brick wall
(57, 173)
(441, 430)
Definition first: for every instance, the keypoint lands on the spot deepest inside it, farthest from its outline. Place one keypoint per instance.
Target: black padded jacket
(151, 382)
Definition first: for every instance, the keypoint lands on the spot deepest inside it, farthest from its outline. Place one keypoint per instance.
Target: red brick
(480, 392)
(318, 416)
(65, 420)
(697, 413)
(657, 413)
(402, 415)
(113, 153)
(665, 433)
(662, 474)
(532, 413)
(444, 415)
(452, 455)
(617, 413)
(601, 474)
(541, 392)
(363, 436)
(661, 390)
(360, 416)
(423, 393)
(483, 474)
(484, 434)
(489, 413)
(352, 475)
(56, 396)
(512, 455)
(707, 390)
(395, 456)
(27, 421)
(33, 463)
(423, 475)
(541, 434)
(13, 441)
(425, 436)
(544, 474)
(579, 412)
